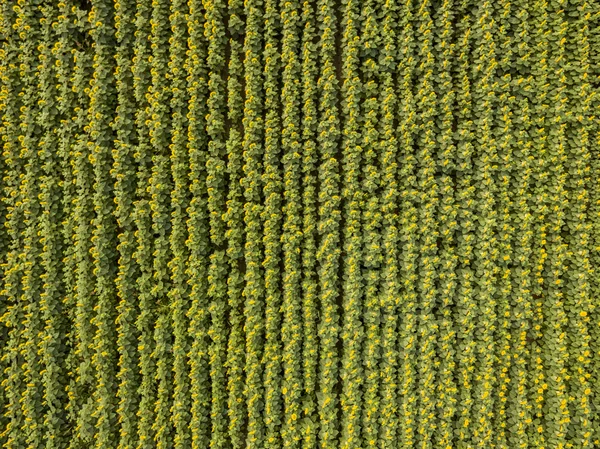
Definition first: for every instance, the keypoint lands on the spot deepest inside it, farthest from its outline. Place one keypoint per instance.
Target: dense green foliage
(299, 224)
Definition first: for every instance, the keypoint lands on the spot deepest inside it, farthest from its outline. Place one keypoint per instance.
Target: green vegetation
(299, 224)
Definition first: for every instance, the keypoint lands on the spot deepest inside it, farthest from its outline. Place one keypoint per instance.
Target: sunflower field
(299, 224)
